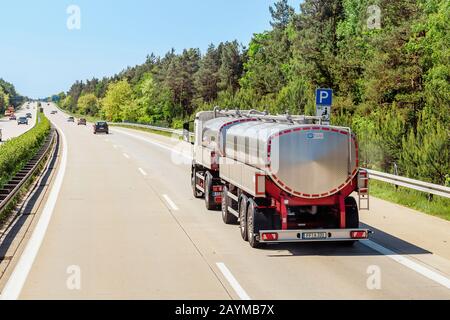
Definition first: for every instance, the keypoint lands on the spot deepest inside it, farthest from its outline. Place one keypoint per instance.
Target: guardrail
(12, 188)
(178, 132)
(410, 183)
(168, 130)
(375, 175)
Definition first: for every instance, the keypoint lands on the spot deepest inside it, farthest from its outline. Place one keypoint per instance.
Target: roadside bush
(15, 153)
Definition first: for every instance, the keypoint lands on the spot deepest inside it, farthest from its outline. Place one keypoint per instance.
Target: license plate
(315, 235)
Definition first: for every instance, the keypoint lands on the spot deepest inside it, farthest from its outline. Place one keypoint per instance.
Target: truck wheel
(254, 219)
(209, 199)
(351, 218)
(351, 213)
(243, 217)
(197, 194)
(227, 217)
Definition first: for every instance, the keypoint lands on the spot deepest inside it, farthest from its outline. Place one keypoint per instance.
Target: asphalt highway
(10, 129)
(124, 225)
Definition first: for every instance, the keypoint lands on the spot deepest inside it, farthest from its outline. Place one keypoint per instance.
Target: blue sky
(41, 56)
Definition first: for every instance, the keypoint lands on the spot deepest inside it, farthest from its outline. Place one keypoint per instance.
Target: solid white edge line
(232, 281)
(430, 274)
(17, 279)
(142, 172)
(170, 202)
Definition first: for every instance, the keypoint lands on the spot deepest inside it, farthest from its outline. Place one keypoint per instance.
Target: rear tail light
(270, 236)
(217, 188)
(358, 234)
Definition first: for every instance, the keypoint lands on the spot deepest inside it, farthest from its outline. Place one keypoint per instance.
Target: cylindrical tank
(309, 161)
(214, 132)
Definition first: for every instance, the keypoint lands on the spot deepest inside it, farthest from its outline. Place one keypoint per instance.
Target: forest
(388, 62)
(8, 96)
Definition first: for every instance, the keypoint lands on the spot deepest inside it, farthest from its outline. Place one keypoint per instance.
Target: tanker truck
(282, 178)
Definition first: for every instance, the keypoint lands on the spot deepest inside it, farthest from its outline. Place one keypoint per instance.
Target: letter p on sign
(324, 97)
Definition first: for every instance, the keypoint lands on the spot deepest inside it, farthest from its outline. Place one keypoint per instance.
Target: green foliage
(15, 153)
(88, 104)
(118, 103)
(8, 96)
(426, 153)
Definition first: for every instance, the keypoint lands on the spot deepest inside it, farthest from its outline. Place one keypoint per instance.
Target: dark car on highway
(29, 115)
(81, 122)
(22, 120)
(71, 119)
(12, 117)
(101, 127)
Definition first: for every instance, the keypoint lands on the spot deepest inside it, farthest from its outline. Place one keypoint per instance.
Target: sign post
(324, 101)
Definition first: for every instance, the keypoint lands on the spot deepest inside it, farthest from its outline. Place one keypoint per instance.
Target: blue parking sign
(324, 97)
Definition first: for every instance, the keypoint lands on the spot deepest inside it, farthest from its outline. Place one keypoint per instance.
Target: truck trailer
(9, 111)
(282, 178)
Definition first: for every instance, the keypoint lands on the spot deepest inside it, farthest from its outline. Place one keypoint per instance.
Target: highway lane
(127, 218)
(303, 271)
(10, 129)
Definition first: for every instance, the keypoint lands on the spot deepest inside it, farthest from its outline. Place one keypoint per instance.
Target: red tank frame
(281, 200)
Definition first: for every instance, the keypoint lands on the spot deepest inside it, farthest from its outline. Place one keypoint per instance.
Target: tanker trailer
(283, 178)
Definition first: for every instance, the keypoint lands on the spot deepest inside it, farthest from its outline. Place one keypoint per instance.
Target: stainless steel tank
(310, 161)
(214, 132)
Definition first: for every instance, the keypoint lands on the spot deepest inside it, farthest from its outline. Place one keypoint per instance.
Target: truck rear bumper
(320, 235)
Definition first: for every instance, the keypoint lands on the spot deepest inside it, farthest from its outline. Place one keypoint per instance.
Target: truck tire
(227, 217)
(209, 199)
(351, 213)
(243, 217)
(255, 223)
(197, 194)
(351, 218)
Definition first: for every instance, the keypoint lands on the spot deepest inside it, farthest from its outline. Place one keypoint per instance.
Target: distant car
(101, 127)
(82, 122)
(22, 120)
(71, 119)
(54, 112)
(29, 116)
(13, 117)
